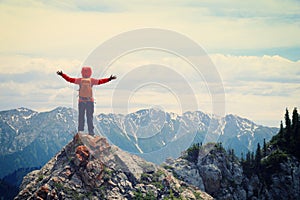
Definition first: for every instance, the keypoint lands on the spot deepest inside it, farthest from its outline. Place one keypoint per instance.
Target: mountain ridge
(231, 130)
(25, 132)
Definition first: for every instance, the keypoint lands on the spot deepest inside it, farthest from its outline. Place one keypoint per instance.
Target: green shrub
(192, 153)
(274, 159)
(138, 195)
(41, 177)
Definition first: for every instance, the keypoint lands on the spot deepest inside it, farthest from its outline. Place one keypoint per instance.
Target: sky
(253, 45)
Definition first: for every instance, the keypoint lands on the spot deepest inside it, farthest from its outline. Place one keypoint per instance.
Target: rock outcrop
(89, 168)
(222, 176)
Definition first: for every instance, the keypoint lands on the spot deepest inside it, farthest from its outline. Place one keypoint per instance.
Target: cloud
(265, 110)
(269, 69)
(33, 82)
(20, 64)
(259, 87)
(248, 9)
(73, 29)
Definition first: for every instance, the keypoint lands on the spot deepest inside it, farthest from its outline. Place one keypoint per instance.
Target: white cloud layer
(255, 87)
(39, 37)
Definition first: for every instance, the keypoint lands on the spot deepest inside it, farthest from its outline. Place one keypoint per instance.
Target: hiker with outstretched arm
(85, 100)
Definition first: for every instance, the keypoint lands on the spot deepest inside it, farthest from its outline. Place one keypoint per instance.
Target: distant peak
(23, 109)
(62, 109)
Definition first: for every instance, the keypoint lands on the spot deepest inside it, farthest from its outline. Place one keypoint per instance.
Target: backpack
(85, 88)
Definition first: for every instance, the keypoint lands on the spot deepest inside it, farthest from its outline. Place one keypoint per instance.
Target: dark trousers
(88, 108)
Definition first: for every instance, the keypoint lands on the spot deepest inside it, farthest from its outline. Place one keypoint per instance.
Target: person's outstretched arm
(104, 80)
(67, 78)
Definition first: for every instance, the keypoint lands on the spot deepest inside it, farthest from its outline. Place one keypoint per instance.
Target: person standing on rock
(86, 100)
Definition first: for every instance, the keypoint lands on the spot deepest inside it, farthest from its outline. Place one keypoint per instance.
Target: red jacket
(78, 81)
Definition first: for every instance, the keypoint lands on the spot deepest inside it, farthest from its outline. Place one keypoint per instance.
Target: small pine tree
(248, 158)
(242, 158)
(281, 127)
(296, 133)
(252, 158)
(295, 118)
(258, 156)
(288, 130)
(231, 154)
(287, 119)
(247, 164)
(265, 148)
(280, 133)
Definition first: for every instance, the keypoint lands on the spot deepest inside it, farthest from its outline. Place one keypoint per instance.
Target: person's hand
(60, 73)
(112, 77)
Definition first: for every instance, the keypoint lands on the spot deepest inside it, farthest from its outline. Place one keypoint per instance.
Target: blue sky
(254, 45)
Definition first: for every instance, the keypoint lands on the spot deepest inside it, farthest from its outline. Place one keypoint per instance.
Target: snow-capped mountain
(243, 135)
(157, 135)
(30, 139)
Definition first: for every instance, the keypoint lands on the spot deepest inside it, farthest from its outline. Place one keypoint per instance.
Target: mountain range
(30, 139)
(152, 132)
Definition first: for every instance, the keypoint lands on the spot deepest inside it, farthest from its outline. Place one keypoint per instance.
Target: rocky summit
(90, 168)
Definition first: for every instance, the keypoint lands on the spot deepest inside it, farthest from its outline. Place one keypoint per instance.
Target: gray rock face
(285, 183)
(222, 176)
(89, 168)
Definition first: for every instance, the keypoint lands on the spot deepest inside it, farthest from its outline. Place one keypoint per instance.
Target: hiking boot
(92, 134)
